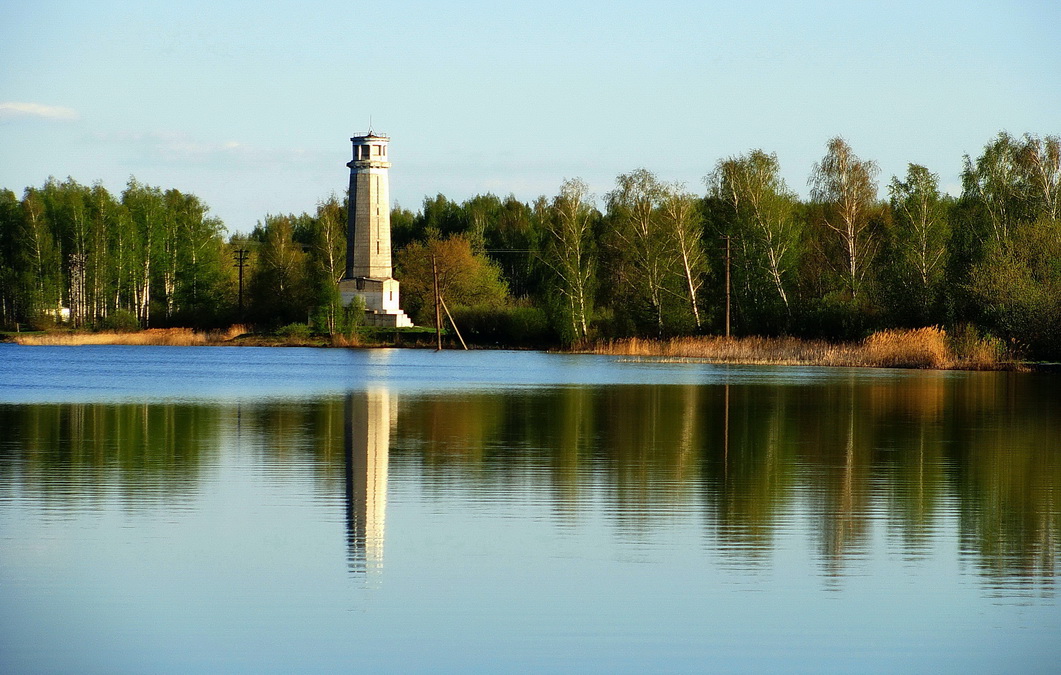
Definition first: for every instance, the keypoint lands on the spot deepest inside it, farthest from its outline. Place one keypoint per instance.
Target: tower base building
(368, 236)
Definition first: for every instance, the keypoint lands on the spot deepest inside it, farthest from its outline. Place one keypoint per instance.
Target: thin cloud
(179, 149)
(13, 109)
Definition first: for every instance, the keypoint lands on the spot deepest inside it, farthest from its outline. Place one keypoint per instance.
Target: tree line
(648, 258)
(74, 253)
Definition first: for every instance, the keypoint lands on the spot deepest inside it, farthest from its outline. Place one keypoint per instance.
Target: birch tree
(764, 209)
(681, 219)
(101, 266)
(40, 258)
(922, 232)
(147, 210)
(568, 251)
(328, 257)
(994, 181)
(645, 245)
(1040, 160)
(848, 187)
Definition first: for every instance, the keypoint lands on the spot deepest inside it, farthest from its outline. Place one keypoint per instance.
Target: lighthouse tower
(368, 235)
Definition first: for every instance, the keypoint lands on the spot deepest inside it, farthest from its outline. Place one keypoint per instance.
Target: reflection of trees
(842, 442)
(851, 454)
(748, 465)
(640, 441)
(910, 440)
(74, 451)
(1007, 474)
(650, 442)
(911, 453)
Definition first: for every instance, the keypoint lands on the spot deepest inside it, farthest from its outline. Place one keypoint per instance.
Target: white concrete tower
(368, 235)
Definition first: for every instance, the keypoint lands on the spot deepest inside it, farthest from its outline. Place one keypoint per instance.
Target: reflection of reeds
(921, 348)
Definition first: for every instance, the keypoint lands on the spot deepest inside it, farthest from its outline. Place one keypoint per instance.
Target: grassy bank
(928, 348)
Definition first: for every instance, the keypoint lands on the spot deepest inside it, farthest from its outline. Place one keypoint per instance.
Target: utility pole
(727, 286)
(241, 256)
(438, 304)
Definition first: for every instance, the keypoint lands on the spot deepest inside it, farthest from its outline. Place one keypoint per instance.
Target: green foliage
(120, 320)
(336, 319)
(835, 316)
(847, 187)
(513, 326)
(915, 254)
(465, 278)
(155, 254)
(1018, 288)
(299, 331)
(569, 255)
(403, 227)
(760, 218)
(968, 344)
(641, 251)
(278, 287)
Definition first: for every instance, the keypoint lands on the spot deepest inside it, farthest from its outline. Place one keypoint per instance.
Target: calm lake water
(175, 510)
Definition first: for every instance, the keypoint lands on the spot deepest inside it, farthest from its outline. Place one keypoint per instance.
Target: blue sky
(250, 105)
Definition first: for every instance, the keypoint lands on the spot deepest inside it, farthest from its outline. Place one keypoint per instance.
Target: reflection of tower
(366, 444)
(368, 235)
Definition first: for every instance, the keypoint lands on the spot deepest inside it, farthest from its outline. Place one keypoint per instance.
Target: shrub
(973, 351)
(505, 326)
(351, 317)
(44, 321)
(299, 331)
(120, 321)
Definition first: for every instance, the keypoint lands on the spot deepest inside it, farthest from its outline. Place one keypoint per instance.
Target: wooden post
(438, 305)
(241, 256)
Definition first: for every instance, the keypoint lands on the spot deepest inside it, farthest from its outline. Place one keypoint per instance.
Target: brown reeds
(186, 337)
(152, 336)
(181, 337)
(921, 348)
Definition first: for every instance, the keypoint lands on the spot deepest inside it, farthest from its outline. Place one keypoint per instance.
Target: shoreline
(919, 349)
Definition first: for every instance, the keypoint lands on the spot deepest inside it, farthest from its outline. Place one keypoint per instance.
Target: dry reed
(920, 348)
(180, 337)
(152, 336)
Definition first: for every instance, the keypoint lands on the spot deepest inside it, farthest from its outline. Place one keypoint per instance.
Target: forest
(648, 258)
